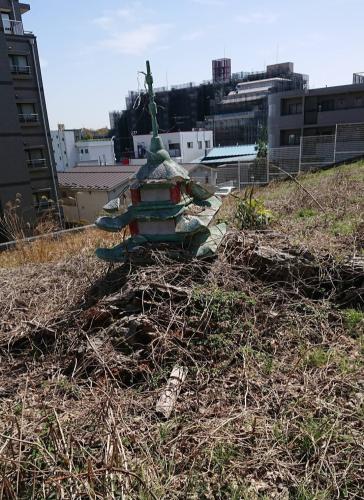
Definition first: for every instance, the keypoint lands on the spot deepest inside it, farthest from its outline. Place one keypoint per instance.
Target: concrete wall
(87, 206)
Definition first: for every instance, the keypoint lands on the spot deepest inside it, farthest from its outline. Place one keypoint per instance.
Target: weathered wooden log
(170, 394)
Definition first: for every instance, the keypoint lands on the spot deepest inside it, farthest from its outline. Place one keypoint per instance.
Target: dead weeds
(273, 402)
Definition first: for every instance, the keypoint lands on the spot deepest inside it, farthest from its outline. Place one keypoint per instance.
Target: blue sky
(91, 50)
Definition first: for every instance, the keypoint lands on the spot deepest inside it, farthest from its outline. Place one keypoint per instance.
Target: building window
(291, 106)
(341, 103)
(207, 144)
(190, 145)
(82, 151)
(19, 65)
(199, 144)
(42, 199)
(86, 151)
(359, 101)
(292, 139)
(27, 113)
(295, 108)
(327, 105)
(35, 158)
(174, 149)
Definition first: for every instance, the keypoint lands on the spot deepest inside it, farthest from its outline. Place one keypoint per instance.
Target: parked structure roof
(92, 168)
(95, 178)
(230, 159)
(230, 151)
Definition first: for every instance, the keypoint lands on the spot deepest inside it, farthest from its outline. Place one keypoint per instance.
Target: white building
(65, 152)
(70, 150)
(97, 151)
(184, 147)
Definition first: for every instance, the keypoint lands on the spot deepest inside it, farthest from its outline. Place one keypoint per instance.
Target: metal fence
(317, 151)
(243, 174)
(311, 153)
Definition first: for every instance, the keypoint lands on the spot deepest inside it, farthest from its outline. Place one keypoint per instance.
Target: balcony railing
(28, 118)
(37, 163)
(12, 27)
(20, 70)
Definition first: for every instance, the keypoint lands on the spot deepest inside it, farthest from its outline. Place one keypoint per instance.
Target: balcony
(20, 70)
(11, 27)
(29, 118)
(37, 163)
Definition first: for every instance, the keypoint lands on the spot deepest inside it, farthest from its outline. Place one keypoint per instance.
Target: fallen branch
(170, 394)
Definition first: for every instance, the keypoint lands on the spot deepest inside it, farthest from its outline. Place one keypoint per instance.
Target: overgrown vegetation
(273, 403)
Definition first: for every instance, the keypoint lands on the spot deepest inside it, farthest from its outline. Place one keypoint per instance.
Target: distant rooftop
(230, 151)
(99, 178)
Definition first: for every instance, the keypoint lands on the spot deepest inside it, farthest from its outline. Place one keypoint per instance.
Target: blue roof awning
(230, 151)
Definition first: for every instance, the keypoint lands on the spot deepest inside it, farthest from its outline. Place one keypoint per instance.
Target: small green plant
(18, 408)
(343, 228)
(301, 492)
(312, 433)
(221, 304)
(306, 212)
(316, 358)
(251, 212)
(223, 454)
(354, 321)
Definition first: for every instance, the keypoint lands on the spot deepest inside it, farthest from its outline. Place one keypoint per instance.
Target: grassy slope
(334, 223)
(273, 403)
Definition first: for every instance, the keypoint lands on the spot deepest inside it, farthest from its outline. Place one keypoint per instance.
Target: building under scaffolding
(236, 110)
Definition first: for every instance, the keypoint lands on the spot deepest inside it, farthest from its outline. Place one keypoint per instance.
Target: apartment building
(315, 112)
(184, 147)
(26, 157)
(71, 149)
(240, 117)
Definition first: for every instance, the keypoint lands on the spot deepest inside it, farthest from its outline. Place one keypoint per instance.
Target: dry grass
(48, 249)
(338, 230)
(273, 403)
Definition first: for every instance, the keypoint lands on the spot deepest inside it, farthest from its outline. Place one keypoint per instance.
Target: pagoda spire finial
(152, 104)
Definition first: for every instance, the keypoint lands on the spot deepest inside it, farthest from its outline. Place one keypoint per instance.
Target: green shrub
(250, 212)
